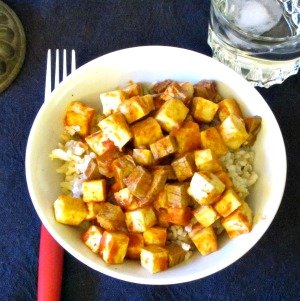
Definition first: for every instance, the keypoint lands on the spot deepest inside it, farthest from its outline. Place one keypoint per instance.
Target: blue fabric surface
(270, 271)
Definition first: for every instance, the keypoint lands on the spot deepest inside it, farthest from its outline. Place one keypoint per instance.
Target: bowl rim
(110, 271)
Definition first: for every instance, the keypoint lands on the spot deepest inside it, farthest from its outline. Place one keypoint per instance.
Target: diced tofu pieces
(179, 216)
(141, 219)
(206, 89)
(92, 238)
(116, 129)
(238, 222)
(92, 171)
(206, 160)
(111, 217)
(98, 142)
(139, 182)
(142, 156)
(69, 210)
(136, 107)
(205, 215)
(146, 132)
(93, 209)
(134, 89)
(229, 107)
(176, 254)
(79, 114)
(204, 239)
(228, 203)
(163, 147)
(154, 259)
(162, 218)
(113, 247)
(176, 91)
(224, 177)
(205, 188)
(204, 109)
(187, 137)
(184, 167)
(136, 243)
(253, 125)
(155, 236)
(177, 195)
(126, 199)
(168, 168)
(212, 139)
(233, 132)
(158, 101)
(159, 179)
(188, 89)
(161, 200)
(160, 87)
(122, 168)
(111, 100)
(171, 114)
(94, 190)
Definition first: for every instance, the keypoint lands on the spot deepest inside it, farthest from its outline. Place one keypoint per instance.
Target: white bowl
(149, 64)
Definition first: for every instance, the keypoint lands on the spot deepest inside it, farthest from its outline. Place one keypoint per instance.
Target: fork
(51, 254)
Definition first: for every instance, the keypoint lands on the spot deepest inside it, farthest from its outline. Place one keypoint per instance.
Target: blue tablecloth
(270, 271)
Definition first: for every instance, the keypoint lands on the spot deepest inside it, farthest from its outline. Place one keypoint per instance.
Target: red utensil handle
(50, 268)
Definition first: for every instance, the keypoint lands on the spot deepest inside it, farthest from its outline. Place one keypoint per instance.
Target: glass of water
(260, 39)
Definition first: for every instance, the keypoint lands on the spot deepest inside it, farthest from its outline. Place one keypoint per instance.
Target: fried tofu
(168, 168)
(69, 210)
(176, 91)
(141, 219)
(184, 166)
(176, 254)
(228, 203)
(122, 167)
(92, 171)
(238, 222)
(161, 200)
(206, 215)
(111, 217)
(253, 125)
(113, 247)
(228, 107)
(162, 218)
(211, 138)
(154, 258)
(171, 114)
(188, 89)
(136, 243)
(92, 238)
(79, 114)
(205, 188)
(159, 179)
(163, 147)
(177, 195)
(146, 132)
(155, 236)
(203, 109)
(111, 100)
(126, 199)
(134, 89)
(206, 89)
(143, 157)
(206, 160)
(160, 87)
(204, 239)
(233, 132)
(136, 107)
(98, 142)
(179, 216)
(94, 190)
(93, 209)
(224, 177)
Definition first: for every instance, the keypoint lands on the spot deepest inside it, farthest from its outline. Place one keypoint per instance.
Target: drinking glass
(260, 39)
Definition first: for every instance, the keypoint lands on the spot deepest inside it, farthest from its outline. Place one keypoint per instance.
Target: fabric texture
(269, 271)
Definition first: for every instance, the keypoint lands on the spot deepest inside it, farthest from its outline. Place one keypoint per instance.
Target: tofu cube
(206, 89)
(224, 177)
(159, 179)
(228, 203)
(155, 236)
(136, 243)
(122, 167)
(98, 142)
(188, 89)
(253, 125)
(211, 138)
(168, 168)
(160, 87)
(203, 109)
(204, 239)
(136, 107)
(187, 137)
(111, 217)
(111, 100)
(126, 199)
(175, 91)
(238, 222)
(161, 200)
(154, 259)
(93, 209)
(92, 238)
(134, 89)
(79, 114)
(92, 171)
(146, 132)
(163, 147)
(94, 190)
(171, 114)
(184, 166)
(233, 132)
(139, 182)
(113, 247)
(116, 129)
(142, 156)
(206, 215)
(162, 218)
(69, 210)
(206, 160)
(177, 195)
(179, 216)
(176, 254)
(158, 101)
(205, 188)
(229, 107)
(141, 219)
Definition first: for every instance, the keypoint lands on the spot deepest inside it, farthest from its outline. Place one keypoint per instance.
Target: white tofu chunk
(154, 258)
(111, 100)
(140, 220)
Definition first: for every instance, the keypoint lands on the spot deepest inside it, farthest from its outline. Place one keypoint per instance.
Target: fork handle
(50, 268)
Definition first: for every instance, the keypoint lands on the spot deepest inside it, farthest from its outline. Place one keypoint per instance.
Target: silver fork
(50, 266)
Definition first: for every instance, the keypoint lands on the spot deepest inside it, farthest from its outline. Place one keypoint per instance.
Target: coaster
(12, 46)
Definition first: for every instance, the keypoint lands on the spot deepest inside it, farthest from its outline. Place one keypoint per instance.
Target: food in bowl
(159, 173)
